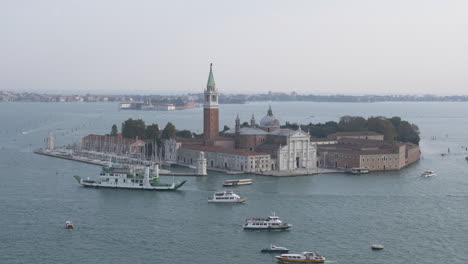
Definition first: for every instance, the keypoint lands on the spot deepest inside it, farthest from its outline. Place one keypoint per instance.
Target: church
(257, 148)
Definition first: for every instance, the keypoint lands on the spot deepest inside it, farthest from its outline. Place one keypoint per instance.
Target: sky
(312, 47)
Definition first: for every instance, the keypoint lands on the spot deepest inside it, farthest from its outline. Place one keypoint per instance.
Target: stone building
(370, 135)
(376, 155)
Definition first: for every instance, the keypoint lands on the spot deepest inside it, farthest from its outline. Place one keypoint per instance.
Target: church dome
(269, 120)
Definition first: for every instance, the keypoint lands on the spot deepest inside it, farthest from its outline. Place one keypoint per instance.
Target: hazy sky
(311, 46)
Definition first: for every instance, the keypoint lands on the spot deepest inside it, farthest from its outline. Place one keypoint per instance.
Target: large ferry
(130, 178)
(305, 257)
(269, 223)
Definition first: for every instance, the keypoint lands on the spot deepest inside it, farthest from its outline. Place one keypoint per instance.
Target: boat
(363, 170)
(237, 182)
(305, 257)
(130, 178)
(269, 223)
(377, 247)
(69, 225)
(226, 197)
(275, 249)
(428, 173)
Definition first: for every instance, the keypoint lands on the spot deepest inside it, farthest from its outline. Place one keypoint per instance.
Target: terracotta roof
(223, 150)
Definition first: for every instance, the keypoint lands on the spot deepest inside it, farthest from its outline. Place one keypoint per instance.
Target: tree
(114, 130)
(352, 123)
(184, 134)
(245, 124)
(152, 132)
(226, 128)
(408, 132)
(383, 126)
(169, 131)
(134, 128)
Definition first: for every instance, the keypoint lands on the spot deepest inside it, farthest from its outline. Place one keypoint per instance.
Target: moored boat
(229, 183)
(275, 249)
(359, 170)
(130, 178)
(305, 257)
(226, 197)
(269, 223)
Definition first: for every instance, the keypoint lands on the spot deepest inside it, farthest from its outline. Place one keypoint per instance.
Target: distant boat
(304, 257)
(226, 197)
(377, 247)
(362, 170)
(275, 249)
(237, 182)
(69, 225)
(269, 223)
(428, 173)
(466, 158)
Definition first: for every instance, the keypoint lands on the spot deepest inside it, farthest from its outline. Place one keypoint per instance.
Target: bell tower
(211, 108)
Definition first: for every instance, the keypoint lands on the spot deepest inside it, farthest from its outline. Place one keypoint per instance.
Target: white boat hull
(242, 200)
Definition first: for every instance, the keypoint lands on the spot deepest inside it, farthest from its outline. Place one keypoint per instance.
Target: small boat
(69, 225)
(466, 158)
(275, 249)
(305, 257)
(226, 197)
(362, 170)
(237, 182)
(377, 247)
(269, 223)
(428, 173)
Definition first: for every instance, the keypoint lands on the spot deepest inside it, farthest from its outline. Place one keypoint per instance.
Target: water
(418, 220)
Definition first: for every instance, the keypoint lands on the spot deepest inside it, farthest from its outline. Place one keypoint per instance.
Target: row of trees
(392, 128)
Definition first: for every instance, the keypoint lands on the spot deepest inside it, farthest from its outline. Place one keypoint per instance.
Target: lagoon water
(418, 220)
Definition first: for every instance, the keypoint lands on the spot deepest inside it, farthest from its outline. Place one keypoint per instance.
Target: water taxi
(429, 173)
(305, 257)
(229, 183)
(226, 197)
(69, 225)
(269, 223)
(275, 249)
(130, 178)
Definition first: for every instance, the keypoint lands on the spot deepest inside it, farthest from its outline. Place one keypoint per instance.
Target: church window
(207, 98)
(213, 98)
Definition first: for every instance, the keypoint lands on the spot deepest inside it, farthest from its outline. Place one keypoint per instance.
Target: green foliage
(392, 128)
(114, 130)
(226, 128)
(184, 134)
(169, 131)
(152, 132)
(134, 128)
(245, 124)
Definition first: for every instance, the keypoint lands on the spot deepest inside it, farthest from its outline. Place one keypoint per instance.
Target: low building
(376, 155)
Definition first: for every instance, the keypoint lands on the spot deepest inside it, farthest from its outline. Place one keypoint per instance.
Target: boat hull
(171, 187)
(274, 251)
(267, 228)
(242, 200)
(301, 260)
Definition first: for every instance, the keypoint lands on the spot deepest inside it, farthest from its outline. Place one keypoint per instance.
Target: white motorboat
(269, 223)
(304, 257)
(275, 249)
(69, 225)
(428, 173)
(377, 247)
(226, 197)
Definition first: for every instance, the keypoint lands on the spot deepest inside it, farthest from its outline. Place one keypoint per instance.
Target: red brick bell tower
(211, 109)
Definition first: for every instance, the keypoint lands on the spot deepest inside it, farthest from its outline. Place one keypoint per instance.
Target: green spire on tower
(211, 83)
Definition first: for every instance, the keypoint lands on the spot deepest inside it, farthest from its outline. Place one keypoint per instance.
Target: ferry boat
(130, 178)
(304, 257)
(269, 223)
(429, 173)
(229, 183)
(226, 197)
(275, 249)
(69, 225)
